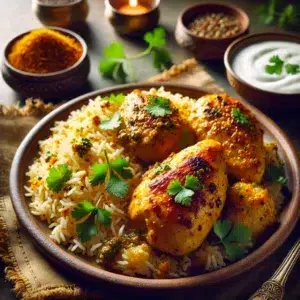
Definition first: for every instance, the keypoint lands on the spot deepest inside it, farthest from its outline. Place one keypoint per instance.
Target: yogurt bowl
(264, 68)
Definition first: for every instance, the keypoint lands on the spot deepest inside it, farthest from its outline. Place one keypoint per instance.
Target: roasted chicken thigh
(172, 227)
(151, 135)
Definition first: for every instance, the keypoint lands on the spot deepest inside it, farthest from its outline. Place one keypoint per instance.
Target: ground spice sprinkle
(44, 51)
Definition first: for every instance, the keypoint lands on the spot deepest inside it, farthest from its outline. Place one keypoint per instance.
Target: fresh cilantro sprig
(234, 238)
(183, 193)
(112, 173)
(115, 98)
(285, 15)
(116, 65)
(276, 66)
(89, 227)
(112, 123)
(276, 174)
(240, 117)
(58, 177)
(159, 107)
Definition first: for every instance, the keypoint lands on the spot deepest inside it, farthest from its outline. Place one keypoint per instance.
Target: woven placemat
(32, 275)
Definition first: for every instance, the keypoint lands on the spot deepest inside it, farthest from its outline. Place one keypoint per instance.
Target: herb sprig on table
(234, 238)
(118, 66)
(113, 174)
(96, 216)
(280, 13)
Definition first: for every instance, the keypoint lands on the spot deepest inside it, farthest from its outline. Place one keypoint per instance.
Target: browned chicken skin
(212, 118)
(148, 137)
(172, 227)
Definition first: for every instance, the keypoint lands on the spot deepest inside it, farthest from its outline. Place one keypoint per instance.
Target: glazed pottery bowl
(50, 85)
(86, 269)
(208, 48)
(265, 100)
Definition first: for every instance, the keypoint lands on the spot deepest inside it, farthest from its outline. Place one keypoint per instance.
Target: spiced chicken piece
(152, 135)
(171, 226)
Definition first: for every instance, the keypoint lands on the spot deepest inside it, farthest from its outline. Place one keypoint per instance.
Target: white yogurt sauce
(249, 64)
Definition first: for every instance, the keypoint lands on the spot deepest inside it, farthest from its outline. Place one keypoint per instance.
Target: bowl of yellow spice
(47, 62)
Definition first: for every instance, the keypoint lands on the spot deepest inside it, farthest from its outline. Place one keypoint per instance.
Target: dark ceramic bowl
(263, 99)
(51, 85)
(208, 48)
(132, 25)
(87, 269)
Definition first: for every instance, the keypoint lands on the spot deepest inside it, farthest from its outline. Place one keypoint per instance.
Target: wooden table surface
(17, 17)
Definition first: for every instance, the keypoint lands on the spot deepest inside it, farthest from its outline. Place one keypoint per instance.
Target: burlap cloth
(34, 277)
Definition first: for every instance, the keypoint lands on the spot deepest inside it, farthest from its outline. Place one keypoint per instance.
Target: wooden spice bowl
(50, 85)
(208, 48)
(263, 99)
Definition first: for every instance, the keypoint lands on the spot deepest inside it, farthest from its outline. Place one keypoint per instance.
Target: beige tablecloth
(33, 276)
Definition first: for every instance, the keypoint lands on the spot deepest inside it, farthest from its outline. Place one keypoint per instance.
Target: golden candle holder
(132, 17)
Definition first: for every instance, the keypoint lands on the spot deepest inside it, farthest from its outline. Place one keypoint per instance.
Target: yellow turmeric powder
(44, 51)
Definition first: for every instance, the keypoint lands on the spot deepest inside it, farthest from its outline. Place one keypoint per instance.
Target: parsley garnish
(112, 174)
(276, 173)
(292, 69)
(240, 117)
(118, 98)
(116, 65)
(88, 228)
(276, 65)
(58, 177)
(162, 168)
(183, 194)
(159, 107)
(233, 237)
(112, 123)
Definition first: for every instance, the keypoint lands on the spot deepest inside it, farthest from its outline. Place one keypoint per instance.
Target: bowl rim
(86, 269)
(235, 8)
(242, 39)
(110, 6)
(73, 34)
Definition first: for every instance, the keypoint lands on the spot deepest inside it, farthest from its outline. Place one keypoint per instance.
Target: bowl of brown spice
(46, 62)
(207, 28)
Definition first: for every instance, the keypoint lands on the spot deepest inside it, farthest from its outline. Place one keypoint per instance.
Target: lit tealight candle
(133, 8)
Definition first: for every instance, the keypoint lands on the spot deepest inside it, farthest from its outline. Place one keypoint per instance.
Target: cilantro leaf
(98, 174)
(82, 209)
(240, 117)
(292, 69)
(87, 229)
(287, 16)
(104, 217)
(58, 177)
(275, 173)
(161, 169)
(174, 187)
(118, 98)
(119, 165)
(222, 228)
(184, 197)
(114, 50)
(156, 38)
(276, 65)
(117, 187)
(159, 107)
(112, 123)
(234, 251)
(161, 59)
(192, 183)
(233, 237)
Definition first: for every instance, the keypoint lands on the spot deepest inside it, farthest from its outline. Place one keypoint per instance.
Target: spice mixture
(215, 26)
(44, 51)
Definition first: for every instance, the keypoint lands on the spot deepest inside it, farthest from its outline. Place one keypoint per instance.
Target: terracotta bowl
(206, 48)
(88, 270)
(51, 85)
(261, 98)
